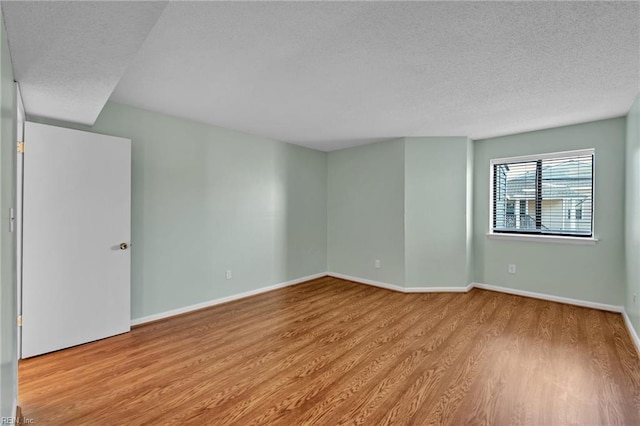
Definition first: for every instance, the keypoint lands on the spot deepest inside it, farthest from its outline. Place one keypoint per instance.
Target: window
(553, 194)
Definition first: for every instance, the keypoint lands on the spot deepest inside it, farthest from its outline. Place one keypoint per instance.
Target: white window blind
(551, 194)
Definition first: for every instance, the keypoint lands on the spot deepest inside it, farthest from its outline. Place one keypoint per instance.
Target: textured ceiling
(69, 56)
(334, 74)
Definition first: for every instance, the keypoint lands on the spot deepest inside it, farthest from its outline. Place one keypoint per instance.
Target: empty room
(242, 213)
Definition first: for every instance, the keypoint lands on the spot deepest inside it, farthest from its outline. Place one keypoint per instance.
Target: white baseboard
(632, 331)
(366, 281)
(583, 303)
(185, 309)
(438, 289)
(401, 289)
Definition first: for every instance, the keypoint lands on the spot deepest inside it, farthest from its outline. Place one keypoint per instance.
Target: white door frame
(20, 120)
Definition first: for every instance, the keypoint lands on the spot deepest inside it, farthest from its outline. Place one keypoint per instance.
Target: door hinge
(20, 147)
(19, 320)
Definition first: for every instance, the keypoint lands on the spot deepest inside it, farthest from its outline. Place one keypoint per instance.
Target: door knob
(124, 246)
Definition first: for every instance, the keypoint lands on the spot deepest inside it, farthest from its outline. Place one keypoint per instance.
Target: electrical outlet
(512, 268)
(228, 274)
(377, 263)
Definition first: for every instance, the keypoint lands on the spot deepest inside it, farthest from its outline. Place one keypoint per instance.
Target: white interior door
(77, 213)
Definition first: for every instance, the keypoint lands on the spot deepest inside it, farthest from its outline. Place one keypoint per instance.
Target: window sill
(544, 238)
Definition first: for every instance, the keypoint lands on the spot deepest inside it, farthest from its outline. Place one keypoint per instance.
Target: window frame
(534, 236)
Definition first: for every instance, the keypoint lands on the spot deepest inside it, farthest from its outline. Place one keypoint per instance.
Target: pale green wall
(591, 273)
(437, 202)
(8, 311)
(366, 211)
(632, 218)
(207, 199)
(469, 217)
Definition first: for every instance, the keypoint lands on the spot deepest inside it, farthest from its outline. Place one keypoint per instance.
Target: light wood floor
(331, 352)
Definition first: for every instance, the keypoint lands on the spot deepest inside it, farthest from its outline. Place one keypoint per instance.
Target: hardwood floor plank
(340, 395)
(330, 351)
(492, 390)
(629, 363)
(318, 383)
(239, 358)
(456, 383)
(316, 357)
(488, 387)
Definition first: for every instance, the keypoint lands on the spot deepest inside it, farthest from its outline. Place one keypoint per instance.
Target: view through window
(550, 194)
